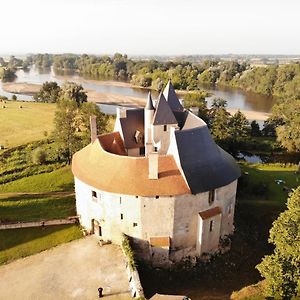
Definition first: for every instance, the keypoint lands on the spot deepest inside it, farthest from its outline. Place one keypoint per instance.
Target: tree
(220, 125)
(7, 74)
(66, 126)
(72, 125)
(255, 130)
(288, 132)
(197, 100)
(86, 110)
(270, 125)
(218, 103)
(209, 76)
(71, 90)
(282, 268)
(238, 125)
(49, 92)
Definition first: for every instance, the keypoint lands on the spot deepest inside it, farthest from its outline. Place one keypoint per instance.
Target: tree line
(9, 67)
(276, 80)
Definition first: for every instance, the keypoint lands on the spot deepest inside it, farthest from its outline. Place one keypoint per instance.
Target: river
(236, 98)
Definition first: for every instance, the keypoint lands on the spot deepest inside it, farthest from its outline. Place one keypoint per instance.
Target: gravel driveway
(71, 271)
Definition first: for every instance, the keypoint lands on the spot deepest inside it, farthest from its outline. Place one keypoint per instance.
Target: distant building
(159, 178)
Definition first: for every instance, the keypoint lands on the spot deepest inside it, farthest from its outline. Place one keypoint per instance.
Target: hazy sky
(150, 27)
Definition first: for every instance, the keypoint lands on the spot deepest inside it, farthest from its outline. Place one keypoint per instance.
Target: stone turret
(148, 117)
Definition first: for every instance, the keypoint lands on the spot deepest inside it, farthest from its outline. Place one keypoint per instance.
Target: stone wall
(176, 217)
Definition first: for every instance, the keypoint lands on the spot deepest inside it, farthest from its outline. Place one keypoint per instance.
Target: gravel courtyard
(71, 271)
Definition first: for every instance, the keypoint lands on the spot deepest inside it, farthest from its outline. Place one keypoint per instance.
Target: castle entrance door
(96, 228)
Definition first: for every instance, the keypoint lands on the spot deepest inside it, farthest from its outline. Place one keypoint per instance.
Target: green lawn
(45, 204)
(22, 125)
(56, 181)
(36, 207)
(258, 187)
(17, 243)
(16, 163)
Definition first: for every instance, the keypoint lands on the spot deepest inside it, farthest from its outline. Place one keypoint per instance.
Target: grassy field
(38, 197)
(26, 124)
(28, 197)
(56, 181)
(17, 243)
(17, 163)
(258, 186)
(36, 207)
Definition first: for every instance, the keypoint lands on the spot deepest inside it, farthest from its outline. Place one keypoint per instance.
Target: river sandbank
(116, 99)
(21, 88)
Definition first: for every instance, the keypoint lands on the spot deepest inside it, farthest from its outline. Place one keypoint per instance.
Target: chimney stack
(93, 127)
(153, 165)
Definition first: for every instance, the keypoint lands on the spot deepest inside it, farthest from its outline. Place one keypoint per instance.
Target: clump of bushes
(128, 252)
(38, 156)
(29, 159)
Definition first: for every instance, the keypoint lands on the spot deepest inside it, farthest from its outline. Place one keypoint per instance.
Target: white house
(159, 178)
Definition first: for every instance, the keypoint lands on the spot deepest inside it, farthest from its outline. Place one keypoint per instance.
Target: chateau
(159, 178)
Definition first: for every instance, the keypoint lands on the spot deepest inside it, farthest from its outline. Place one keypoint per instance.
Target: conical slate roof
(163, 114)
(172, 98)
(149, 104)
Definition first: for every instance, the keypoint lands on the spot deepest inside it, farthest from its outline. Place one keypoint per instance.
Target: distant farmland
(26, 124)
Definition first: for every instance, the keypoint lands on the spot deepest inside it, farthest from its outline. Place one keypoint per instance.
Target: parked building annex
(160, 178)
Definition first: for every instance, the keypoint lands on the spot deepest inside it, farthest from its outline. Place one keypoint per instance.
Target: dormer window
(138, 137)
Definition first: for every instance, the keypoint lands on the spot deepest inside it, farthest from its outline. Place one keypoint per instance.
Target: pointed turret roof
(171, 97)
(163, 114)
(149, 104)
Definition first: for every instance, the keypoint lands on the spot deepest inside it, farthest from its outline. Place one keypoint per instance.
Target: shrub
(128, 252)
(38, 156)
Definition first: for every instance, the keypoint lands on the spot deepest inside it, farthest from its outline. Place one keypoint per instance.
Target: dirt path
(70, 220)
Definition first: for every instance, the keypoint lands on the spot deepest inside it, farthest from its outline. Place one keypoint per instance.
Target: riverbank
(251, 115)
(116, 99)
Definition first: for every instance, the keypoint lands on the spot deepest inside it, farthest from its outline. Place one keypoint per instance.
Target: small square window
(211, 197)
(157, 197)
(122, 217)
(135, 224)
(211, 225)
